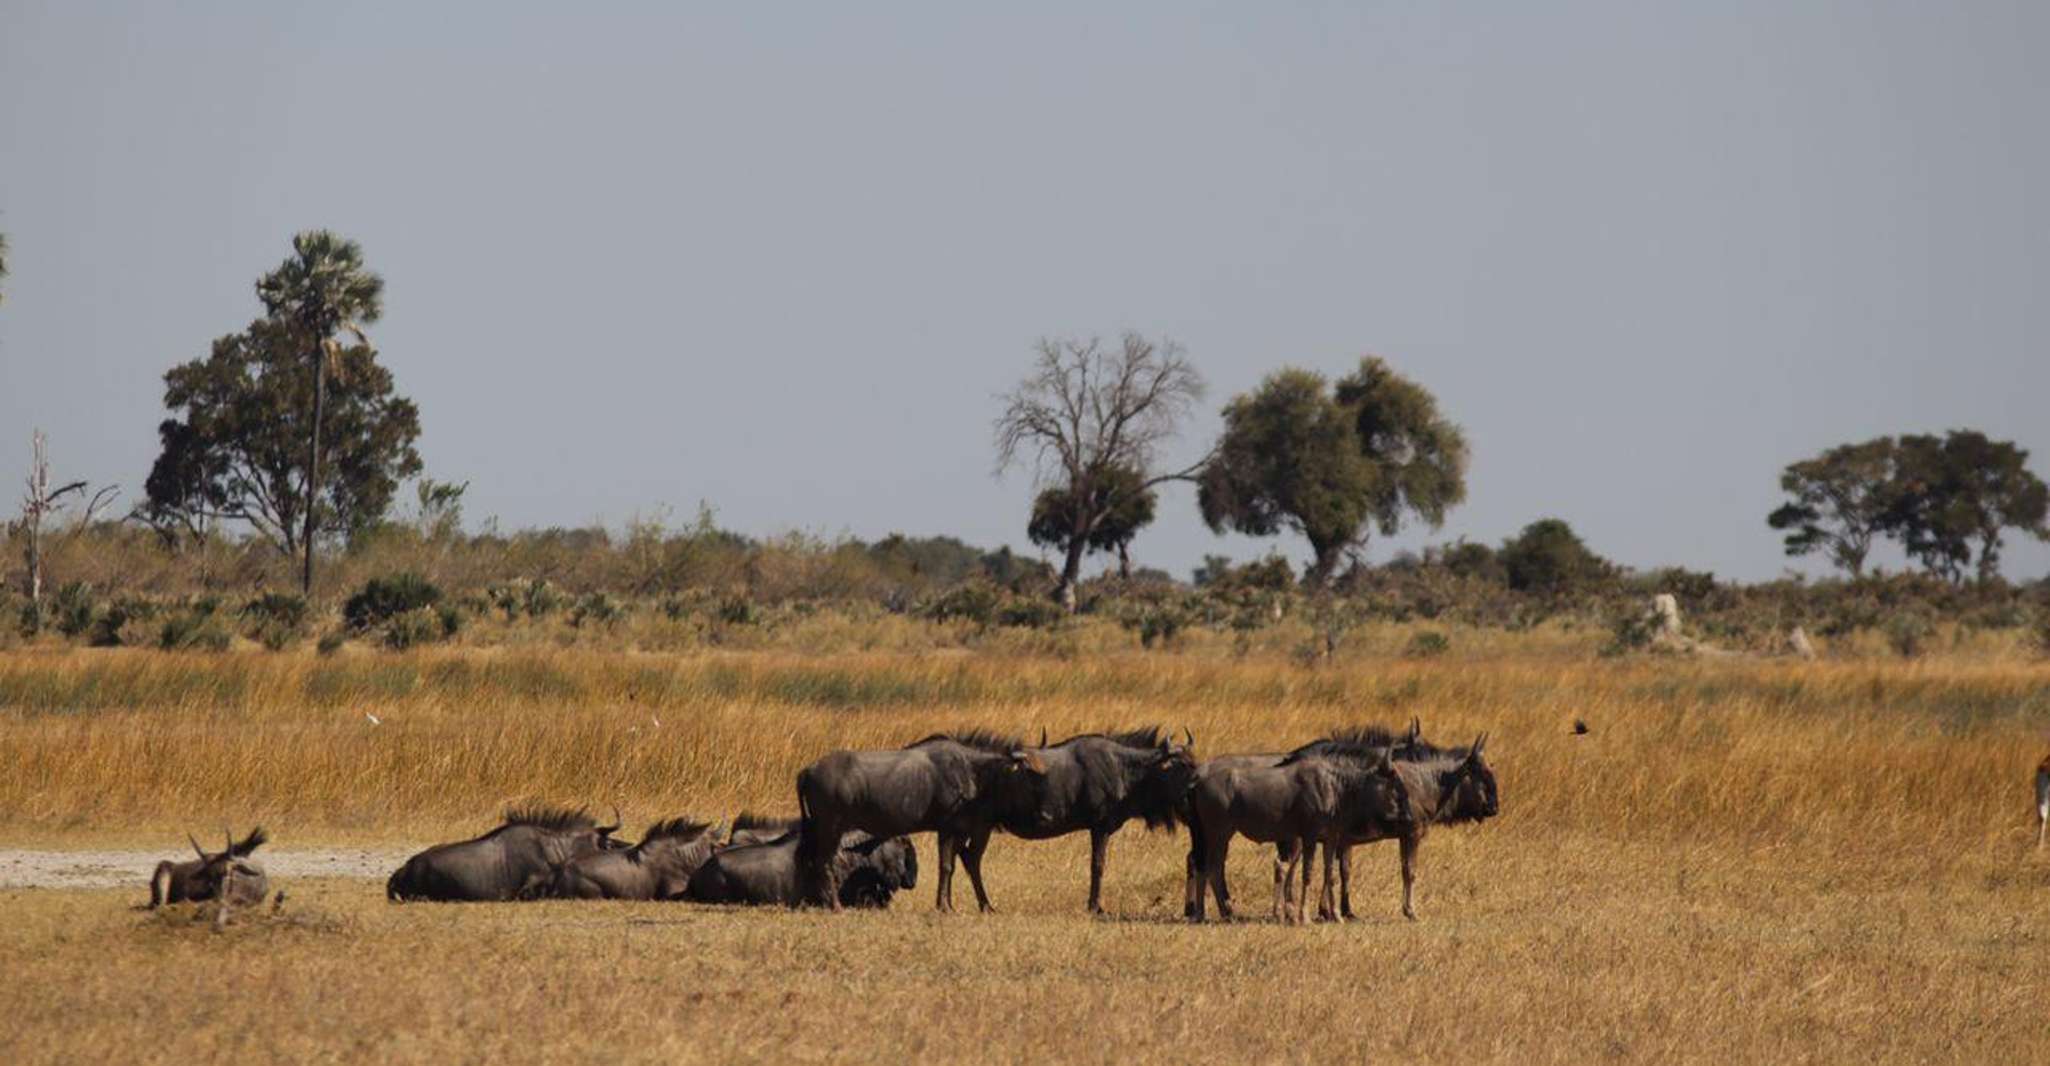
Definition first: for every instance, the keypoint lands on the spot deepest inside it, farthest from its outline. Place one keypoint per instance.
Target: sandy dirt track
(25, 868)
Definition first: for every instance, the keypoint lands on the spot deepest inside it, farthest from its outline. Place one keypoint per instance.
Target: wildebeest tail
(256, 839)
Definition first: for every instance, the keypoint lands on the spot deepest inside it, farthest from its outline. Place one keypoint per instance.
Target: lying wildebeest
(945, 784)
(656, 868)
(1444, 786)
(227, 874)
(868, 870)
(1095, 782)
(1285, 850)
(752, 828)
(1303, 800)
(513, 861)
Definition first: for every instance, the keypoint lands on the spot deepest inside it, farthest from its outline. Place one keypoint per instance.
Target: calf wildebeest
(1095, 782)
(1444, 786)
(2042, 799)
(869, 870)
(656, 868)
(513, 861)
(945, 784)
(1304, 799)
(227, 874)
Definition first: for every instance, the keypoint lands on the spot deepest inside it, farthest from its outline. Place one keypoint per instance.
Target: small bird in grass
(374, 720)
(1579, 727)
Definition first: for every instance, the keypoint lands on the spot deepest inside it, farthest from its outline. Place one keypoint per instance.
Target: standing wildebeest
(1305, 799)
(869, 870)
(1285, 850)
(1095, 782)
(656, 868)
(945, 784)
(512, 861)
(1444, 785)
(204, 878)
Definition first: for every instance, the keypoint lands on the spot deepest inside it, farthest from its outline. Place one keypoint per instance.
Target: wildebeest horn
(1188, 738)
(1042, 736)
(1479, 742)
(227, 835)
(195, 846)
(1416, 728)
(617, 821)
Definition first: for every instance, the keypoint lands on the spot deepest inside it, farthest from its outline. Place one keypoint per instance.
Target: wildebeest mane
(674, 827)
(982, 739)
(752, 820)
(1143, 737)
(563, 819)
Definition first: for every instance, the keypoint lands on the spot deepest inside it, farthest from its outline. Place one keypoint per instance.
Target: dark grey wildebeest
(656, 868)
(1445, 786)
(869, 870)
(1408, 743)
(1298, 801)
(226, 874)
(946, 784)
(1094, 783)
(752, 828)
(513, 861)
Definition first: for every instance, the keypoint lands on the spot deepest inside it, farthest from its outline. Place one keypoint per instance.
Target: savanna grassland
(1742, 860)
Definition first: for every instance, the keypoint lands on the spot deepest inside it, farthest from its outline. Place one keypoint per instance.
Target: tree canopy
(1839, 502)
(236, 446)
(1549, 557)
(1123, 504)
(1086, 417)
(1333, 464)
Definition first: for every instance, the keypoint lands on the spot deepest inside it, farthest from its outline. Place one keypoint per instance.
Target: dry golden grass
(1742, 861)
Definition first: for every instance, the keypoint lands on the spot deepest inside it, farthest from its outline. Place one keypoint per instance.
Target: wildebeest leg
(943, 892)
(1345, 882)
(1409, 855)
(971, 858)
(1099, 844)
(1324, 909)
(1215, 850)
(1192, 886)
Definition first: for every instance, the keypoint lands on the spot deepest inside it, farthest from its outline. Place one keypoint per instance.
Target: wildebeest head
(213, 874)
(1170, 773)
(1470, 788)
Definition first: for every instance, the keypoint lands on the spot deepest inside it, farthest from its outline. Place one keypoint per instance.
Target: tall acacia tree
(1087, 413)
(321, 291)
(1333, 463)
(1962, 489)
(1131, 509)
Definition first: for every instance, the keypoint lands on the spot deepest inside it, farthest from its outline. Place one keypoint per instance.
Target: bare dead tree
(1087, 410)
(41, 502)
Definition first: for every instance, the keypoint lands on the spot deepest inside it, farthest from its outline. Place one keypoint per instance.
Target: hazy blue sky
(781, 257)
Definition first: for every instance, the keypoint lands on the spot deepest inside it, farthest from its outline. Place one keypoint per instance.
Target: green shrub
(975, 601)
(73, 609)
(121, 623)
(1030, 612)
(194, 629)
(1427, 644)
(331, 642)
(421, 625)
(738, 611)
(277, 620)
(385, 598)
(598, 609)
(1908, 633)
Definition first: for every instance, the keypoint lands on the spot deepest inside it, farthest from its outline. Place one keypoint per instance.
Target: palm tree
(321, 291)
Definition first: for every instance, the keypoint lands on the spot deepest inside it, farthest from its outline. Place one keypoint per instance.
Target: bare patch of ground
(29, 868)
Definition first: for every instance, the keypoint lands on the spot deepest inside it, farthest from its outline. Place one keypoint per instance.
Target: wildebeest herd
(857, 810)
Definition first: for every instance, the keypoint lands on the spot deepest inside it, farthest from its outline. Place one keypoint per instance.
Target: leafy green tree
(319, 292)
(1548, 558)
(1124, 505)
(1959, 491)
(1087, 414)
(1839, 502)
(1333, 464)
(235, 449)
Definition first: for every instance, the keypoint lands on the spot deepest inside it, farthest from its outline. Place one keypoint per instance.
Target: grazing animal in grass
(226, 875)
(656, 868)
(1304, 799)
(869, 870)
(513, 861)
(1444, 785)
(1095, 783)
(945, 784)
(2042, 800)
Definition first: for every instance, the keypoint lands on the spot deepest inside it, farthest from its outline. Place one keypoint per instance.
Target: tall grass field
(1739, 860)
